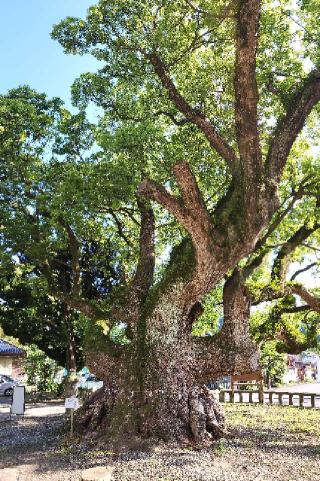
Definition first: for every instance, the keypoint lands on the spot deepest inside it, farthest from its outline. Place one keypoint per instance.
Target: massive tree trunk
(155, 386)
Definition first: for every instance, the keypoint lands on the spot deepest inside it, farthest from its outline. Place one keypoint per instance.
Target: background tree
(273, 363)
(43, 152)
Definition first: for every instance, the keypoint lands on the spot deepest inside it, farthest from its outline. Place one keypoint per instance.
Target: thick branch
(87, 308)
(191, 195)
(236, 309)
(313, 302)
(159, 194)
(295, 309)
(84, 306)
(145, 270)
(189, 210)
(136, 294)
(290, 126)
(310, 299)
(246, 90)
(279, 265)
(197, 118)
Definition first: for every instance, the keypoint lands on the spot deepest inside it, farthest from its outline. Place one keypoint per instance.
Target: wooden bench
(253, 378)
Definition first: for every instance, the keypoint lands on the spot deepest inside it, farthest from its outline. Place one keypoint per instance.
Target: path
(312, 388)
(32, 444)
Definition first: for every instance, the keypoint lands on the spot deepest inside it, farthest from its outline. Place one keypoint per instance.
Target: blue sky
(27, 53)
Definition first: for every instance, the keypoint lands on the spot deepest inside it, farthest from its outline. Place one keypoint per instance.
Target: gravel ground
(264, 443)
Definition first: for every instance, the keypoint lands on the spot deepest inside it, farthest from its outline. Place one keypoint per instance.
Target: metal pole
(71, 419)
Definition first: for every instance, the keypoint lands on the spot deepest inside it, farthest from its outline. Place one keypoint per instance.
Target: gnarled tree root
(207, 419)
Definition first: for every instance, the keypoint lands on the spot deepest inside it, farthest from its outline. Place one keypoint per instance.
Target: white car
(6, 385)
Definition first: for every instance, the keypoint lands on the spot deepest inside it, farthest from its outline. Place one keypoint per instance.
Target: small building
(11, 358)
(304, 367)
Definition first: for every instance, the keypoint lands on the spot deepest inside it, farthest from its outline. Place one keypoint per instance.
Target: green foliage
(273, 363)
(290, 332)
(29, 314)
(210, 320)
(118, 334)
(41, 370)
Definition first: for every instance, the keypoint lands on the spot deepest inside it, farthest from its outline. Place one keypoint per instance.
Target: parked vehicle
(7, 383)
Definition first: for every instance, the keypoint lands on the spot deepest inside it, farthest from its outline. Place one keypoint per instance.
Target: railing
(271, 397)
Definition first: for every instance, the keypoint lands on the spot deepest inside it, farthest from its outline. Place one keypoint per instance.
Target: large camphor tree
(195, 94)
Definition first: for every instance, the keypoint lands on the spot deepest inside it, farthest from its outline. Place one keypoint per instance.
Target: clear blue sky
(27, 53)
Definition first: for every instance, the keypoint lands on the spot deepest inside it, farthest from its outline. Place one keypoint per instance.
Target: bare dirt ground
(263, 443)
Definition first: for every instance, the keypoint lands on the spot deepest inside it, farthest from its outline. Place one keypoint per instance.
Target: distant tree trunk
(71, 354)
(71, 380)
(71, 349)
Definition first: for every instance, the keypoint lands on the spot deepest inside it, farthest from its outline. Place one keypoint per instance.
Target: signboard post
(71, 403)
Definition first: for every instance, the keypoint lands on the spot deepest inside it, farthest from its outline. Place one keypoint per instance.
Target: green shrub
(41, 370)
(273, 363)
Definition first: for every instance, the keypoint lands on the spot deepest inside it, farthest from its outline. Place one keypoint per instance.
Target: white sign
(17, 406)
(71, 403)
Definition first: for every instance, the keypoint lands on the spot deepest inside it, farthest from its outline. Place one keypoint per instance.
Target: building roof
(7, 349)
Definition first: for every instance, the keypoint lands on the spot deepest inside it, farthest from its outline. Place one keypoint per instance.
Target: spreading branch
(291, 125)
(189, 209)
(308, 297)
(89, 309)
(172, 204)
(193, 115)
(279, 267)
(256, 261)
(191, 195)
(119, 227)
(304, 269)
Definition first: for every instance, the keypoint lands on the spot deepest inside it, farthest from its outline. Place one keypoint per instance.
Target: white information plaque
(71, 402)
(18, 403)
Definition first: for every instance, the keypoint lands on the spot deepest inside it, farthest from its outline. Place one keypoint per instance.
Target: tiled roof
(7, 349)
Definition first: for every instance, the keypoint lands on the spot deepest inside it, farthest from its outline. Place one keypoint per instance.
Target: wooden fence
(271, 397)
